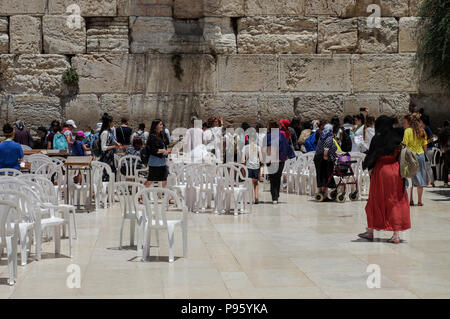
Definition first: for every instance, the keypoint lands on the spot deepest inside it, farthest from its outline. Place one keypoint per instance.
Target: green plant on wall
(176, 63)
(70, 77)
(434, 39)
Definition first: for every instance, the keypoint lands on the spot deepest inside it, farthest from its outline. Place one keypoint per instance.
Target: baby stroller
(344, 171)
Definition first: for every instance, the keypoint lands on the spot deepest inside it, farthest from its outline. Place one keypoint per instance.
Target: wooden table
(26, 168)
(79, 163)
(47, 152)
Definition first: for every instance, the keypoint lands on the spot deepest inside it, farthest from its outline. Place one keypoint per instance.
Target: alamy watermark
(374, 19)
(74, 19)
(74, 278)
(374, 279)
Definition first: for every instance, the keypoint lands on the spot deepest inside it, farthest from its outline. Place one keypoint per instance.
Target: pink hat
(81, 133)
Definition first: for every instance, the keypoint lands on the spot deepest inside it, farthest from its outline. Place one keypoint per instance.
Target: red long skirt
(388, 206)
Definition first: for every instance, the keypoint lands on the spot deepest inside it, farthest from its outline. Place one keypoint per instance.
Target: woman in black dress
(157, 169)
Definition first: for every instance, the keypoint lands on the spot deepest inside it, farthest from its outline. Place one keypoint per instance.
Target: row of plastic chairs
(29, 208)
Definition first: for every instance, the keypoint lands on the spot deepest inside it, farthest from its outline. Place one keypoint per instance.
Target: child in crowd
(78, 147)
(252, 158)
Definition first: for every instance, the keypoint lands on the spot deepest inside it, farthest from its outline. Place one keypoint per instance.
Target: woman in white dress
(368, 134)
(358, 131)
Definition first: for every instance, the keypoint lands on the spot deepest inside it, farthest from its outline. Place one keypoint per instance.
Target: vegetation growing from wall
(434, 39)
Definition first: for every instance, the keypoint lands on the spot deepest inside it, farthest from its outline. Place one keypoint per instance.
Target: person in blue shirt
(78, 147)
(271, 145)
(11, 153)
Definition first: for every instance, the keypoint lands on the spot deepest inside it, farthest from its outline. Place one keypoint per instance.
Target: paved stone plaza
(297, 249)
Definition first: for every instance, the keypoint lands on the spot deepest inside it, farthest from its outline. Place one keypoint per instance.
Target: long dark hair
(159, 136)
(106, 122)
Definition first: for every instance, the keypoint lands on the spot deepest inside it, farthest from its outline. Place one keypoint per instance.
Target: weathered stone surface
(188, 9)
(107, 35)
(152, 8)
(248, 73)
(35, 74)
(84, 109)
(274, 7)
(275, 107)
(199, 74)
(14, 7)
(384, 73)
(223, 8)
(25, 34)
(4, 43)
(231, 107)
(378, 40)
(306, 73)
(59, 38)
(174, 109)
(277, 35)
(437, 106)
(151, 34)
(115, 73)
(36, 110)
(318, 106)
(414, 6)
(219, 35)
(338, 35)
(389, 104)
(408, 34)
(88, 8)
(4, 24)
(356, 8)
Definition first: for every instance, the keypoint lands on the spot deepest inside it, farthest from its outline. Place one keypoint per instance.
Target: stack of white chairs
(203, 186)
(155, 205)
(10, 216)
(231, 189)
(358, 171)
(103, 191)
(308, 182)
(10, 172)
(126, 192)
(291, 176)
(183, 184)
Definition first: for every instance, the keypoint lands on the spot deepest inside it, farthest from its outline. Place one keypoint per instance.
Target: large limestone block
(274, 7)
(151, 34)
(391, 104)
(436, 106)
(35, 74)
(108, 35)
(175, 110)
(199, 74)
(223, 8)
(384, 73)
(338, 35)
(277, 35)
(318, 106)
(408, 34)
(248, 73)
(275, 107)
(84, 109)
(14, 7)
(414, 6)
(188, 9)
(88, 8)
(60, 38)
(115, 73)
(36, 110)
(306, 73)
(152, 8)
(356, 8)
(219, 35)
(353, 103)
(4, 24)
(4, 43)
(25, 32)
(235, 108)
(382, 39)
(117, 105)
(395, 104)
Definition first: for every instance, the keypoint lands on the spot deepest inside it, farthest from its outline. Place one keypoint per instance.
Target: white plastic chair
(37, 160)
(9, 235)
(10, 172)
(25, 147)
(230, 188)
(155, 207)
(131, 171)
(103, 191)
(126, 192)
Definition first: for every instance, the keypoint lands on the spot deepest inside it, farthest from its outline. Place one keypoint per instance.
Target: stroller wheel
(341, 198)
(354, 196)
(319, 197)
(332, 195)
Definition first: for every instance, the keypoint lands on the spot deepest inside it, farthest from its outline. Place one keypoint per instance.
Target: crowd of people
(380, 139)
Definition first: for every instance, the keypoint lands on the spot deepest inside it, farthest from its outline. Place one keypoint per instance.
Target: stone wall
(248, 60)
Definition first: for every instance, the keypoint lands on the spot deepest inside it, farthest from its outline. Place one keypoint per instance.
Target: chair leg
(57, 235)
(170, 231)
(70, 240)
(185, 240)
(146, 244)
(121, 233)
(11, 256)
(132, 228)
(23, 248)
(38, 237)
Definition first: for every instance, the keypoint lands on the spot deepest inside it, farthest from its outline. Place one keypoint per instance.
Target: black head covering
(385, 141)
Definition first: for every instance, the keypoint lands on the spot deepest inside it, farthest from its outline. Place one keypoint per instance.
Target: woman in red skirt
(388, 205)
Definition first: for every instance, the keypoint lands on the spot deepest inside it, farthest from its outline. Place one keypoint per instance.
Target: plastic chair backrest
(126, 192)
(10, 172)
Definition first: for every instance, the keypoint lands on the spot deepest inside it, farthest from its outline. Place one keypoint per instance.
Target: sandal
(394, 240)
(366, 235)
(420, 204)
(411, 203)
